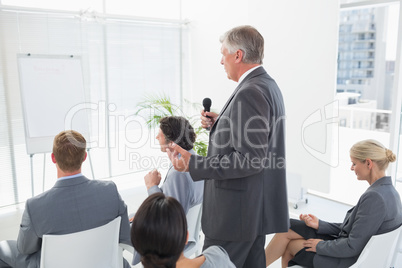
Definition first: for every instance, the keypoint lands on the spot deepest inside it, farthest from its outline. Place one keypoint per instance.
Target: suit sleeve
(28, 241)
(369, 217)
(328, 228)
(154, 189)
(248, 129)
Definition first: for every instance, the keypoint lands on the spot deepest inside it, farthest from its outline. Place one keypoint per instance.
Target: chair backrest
(378, 251)
(397, 258)
(97, 247)
(194, 228)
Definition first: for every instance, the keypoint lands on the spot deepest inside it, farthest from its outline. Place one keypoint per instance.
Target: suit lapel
(254, 73)
(378, 183)
(346, 220)
(227, 104)
(167, 173)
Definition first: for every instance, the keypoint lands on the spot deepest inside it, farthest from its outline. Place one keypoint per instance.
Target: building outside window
(365, 89)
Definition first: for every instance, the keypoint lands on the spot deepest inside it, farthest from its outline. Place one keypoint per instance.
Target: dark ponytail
(154, 261)
(159, 231)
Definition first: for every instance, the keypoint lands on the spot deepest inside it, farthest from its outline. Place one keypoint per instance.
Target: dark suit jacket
(378, 211)
(72, 205)
(245, 178)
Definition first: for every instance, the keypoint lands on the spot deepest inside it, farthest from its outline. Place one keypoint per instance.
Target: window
(365, 84)
(121, 58)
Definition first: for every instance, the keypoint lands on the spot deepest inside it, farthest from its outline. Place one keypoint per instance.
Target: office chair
(97, 247)
(194, 228)
(378, 252)
(397, 258)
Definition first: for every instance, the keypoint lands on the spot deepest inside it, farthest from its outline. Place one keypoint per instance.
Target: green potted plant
(155, 107)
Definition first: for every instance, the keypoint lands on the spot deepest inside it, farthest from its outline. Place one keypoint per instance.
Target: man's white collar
(246, 73)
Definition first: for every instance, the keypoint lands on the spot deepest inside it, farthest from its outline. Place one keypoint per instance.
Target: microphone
(207, 107)
(207, 104)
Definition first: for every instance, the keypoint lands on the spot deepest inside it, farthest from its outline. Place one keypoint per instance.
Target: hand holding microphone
(207, 118)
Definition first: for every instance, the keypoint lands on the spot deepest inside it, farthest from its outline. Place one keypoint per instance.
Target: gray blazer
(378, 211)
(245, 178)
(181, 186)
(72, 205)
(216, 257)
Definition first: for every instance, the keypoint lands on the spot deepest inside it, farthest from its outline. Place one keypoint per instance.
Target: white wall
(209, 20)
(300, 54)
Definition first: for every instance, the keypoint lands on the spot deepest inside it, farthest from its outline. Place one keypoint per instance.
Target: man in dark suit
(73, 204)
(245, 194)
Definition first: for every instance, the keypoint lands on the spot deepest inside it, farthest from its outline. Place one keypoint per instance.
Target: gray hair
(374, 150)
(247, 39)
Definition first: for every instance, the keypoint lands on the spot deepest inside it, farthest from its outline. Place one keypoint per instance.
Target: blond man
(73, 204)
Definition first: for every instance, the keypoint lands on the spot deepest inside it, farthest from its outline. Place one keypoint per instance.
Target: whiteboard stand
(44, 171)
(90, 163)
(44, 168)
(51, 83)
(32, 176)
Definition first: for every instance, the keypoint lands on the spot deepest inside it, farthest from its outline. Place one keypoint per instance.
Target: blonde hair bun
(390, 155)
(374, 150)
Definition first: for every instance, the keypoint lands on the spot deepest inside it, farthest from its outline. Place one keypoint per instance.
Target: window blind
(122, 60)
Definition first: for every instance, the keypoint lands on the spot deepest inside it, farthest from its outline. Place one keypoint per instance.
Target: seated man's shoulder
(87, 185)
(102, 183)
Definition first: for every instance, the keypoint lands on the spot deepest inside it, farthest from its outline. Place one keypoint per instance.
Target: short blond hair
(69, 150)
(374, 150)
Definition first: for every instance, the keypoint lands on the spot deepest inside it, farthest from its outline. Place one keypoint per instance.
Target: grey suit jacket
(245, 178)
(181, 186)
(216, 256)
(378, 211)
(72, 205)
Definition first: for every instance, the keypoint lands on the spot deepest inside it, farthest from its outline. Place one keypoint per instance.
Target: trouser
(10, 256)
(244, 254)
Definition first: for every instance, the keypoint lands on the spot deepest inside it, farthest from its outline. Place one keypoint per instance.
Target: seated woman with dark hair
(159, 234)
(176, 184)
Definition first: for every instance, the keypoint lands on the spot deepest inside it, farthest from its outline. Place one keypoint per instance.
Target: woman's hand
(311, 244)
(310, 220)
